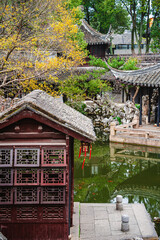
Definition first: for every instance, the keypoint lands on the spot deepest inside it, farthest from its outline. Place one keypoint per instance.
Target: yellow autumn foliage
(39, 40)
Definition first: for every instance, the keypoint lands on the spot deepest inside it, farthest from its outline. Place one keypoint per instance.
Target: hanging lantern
(84, 148)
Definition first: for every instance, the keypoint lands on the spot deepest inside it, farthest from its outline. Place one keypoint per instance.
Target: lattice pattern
(26, 157)
(27, 176)
(26, 195)
(52, 157)
(6, 156)
(6, 177)
(53, 176)
(53, 195)
(5, 213)
(53, 213)
(6, 195)
(27, 213)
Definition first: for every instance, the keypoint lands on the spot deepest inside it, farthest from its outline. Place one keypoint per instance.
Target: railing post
(147, 135)
(112, 129)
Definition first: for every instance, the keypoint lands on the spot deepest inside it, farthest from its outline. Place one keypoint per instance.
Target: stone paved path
(103, 222)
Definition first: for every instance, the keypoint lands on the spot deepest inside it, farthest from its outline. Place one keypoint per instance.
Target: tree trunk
(147, 30)
(132, 41)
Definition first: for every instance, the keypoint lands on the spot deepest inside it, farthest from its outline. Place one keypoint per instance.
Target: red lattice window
(25, 195)
(27, 176)
(6, 195)
(52, 195)
(53, 176)
(5, 213)
(6, 177)
(27, 213)
(53, 213)
(27, 157)
(52, 157)
(6, 157)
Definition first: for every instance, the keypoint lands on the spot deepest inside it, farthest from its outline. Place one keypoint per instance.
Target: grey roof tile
(58, 112)
(149, 76)
(92, 36)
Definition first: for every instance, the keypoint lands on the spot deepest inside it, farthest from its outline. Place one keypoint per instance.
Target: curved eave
(146, 77)
(122, 73)
(138, 84)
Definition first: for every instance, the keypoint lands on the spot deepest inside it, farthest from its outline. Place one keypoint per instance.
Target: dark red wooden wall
(36, 180)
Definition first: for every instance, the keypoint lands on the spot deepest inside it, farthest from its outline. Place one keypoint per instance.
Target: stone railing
(129, 133)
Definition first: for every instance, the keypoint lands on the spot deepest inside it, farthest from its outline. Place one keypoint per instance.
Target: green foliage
(98, 62)
(116, 62)
(119, 63)
(79, 106)
(137, 106)
(88, 85)
(100, 14)
(130, 64)
(155, 34)
(118, 119)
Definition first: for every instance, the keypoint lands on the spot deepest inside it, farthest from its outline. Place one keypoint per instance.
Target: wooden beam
(158, 110)
(123, 95)
(140, 117)
(150, 91)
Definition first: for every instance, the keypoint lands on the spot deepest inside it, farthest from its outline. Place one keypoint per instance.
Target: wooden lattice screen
(32, 184)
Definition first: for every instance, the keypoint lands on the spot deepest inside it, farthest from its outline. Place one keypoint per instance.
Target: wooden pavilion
(36, 167)
(142, 82)
(98, 43)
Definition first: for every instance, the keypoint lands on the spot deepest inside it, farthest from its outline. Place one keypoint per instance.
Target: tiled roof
(124, 38)
(93, 37)
(51, 108)
(149, 76)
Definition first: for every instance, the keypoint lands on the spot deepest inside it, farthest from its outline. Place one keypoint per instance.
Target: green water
(131, 171)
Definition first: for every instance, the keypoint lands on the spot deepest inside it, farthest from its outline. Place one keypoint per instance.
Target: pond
(131, 171)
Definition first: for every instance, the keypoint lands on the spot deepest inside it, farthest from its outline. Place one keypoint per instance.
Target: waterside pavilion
(141, 82)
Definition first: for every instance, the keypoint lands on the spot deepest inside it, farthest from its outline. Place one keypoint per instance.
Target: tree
(31, 35)
(137, 9)
(79, 87)
(103, 13)
(155, 29)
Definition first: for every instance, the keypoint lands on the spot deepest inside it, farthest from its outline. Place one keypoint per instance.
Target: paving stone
(134, 229)
(100, 215)
(144, 221)
(87, 227)
(115, 217)
(100, 208)
(103, 222)
(111, 208)
(87, 219)
(102, 228)
(118, 233)
(87, 211)
(115, 226)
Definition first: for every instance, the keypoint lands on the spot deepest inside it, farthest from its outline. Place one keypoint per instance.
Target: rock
(2, 237)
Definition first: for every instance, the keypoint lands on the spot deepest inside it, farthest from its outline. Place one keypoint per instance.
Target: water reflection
(132, 171)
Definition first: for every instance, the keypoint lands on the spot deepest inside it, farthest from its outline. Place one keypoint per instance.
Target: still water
(131, 171)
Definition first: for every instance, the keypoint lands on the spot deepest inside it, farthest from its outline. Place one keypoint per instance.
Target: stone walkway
(103, 222)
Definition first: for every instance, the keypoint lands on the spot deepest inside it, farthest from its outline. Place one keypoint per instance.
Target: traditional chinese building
(143, 82)
(98, 43)
(36, 166)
